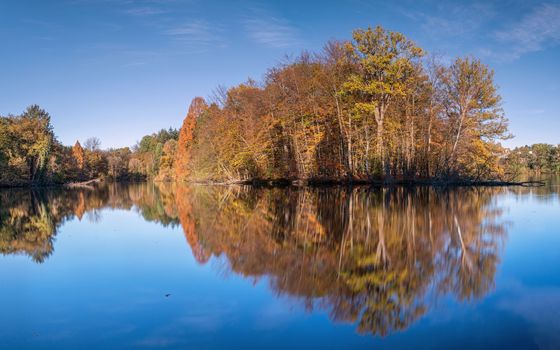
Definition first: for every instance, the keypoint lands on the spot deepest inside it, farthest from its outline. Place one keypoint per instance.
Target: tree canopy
(375, 107)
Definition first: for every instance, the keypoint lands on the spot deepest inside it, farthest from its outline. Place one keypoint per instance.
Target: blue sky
(120, 69)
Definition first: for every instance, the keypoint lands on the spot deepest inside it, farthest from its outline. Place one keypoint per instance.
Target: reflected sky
(206, 267)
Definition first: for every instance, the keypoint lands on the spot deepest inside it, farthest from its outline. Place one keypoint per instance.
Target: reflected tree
(375, 257)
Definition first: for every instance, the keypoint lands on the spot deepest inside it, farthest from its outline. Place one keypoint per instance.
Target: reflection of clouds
(204, 321)
(539, 307)
(273, 315)
(202, 316)
(55, 335)
(157, 342)
(120, 330)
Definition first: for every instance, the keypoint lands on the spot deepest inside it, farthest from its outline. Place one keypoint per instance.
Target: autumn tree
(474, 117)
(386, 62)
(364, 109)
(78, 153)
(146, 158)
(117, 163)
(359, 110)
(339, 65)
(167, 161)
(185, 142)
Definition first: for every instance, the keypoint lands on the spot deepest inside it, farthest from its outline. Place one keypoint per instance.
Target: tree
(364, 109)
(26, 145)
(78, 153)
(338, 67)
(92, 144)
(534, 159)
(474, 115)
(184, 144)
(39, 131)
(385, 65)
(117, 163)
(166, 165)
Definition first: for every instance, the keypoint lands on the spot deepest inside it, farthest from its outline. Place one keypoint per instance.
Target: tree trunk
(428, 145)
(380, 119)
(457, 137)
(345, 134)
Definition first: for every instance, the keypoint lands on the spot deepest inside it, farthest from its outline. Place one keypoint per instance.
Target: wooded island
(375, 108)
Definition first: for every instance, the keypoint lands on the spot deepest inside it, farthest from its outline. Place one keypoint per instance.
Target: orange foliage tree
(78, 153)
(183, 153)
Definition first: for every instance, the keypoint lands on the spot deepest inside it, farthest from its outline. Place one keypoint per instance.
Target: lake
(209, 267)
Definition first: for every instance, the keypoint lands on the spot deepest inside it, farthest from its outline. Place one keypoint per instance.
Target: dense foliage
(27, 144)
(373, 108)
(154, 155)
(536, 159)
(30, 154)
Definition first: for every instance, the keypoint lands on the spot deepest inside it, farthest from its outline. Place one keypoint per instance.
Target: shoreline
(372, 183)
(316, 182)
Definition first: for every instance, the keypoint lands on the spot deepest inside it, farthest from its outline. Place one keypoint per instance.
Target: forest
(30, 154)
(537, 159)
(374, 108)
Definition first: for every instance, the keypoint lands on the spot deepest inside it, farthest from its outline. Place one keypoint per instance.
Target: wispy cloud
(197, 33)
(272, 32)
(533, 111)
(475, 24)
(117, 54)
(536, 31)
(144, 11)
(453, 19)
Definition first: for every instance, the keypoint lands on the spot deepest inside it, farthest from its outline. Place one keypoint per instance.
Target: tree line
(30, 154)
(375, 107)
(537, 159)
(372, 108)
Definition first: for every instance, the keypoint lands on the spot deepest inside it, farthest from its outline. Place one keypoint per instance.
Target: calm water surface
(178, 267)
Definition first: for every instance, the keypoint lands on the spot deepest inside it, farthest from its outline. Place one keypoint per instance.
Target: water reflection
(373, 257)
(30, 218)
(378, 258)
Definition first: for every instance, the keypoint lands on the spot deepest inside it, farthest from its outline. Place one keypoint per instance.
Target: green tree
(25, 146)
